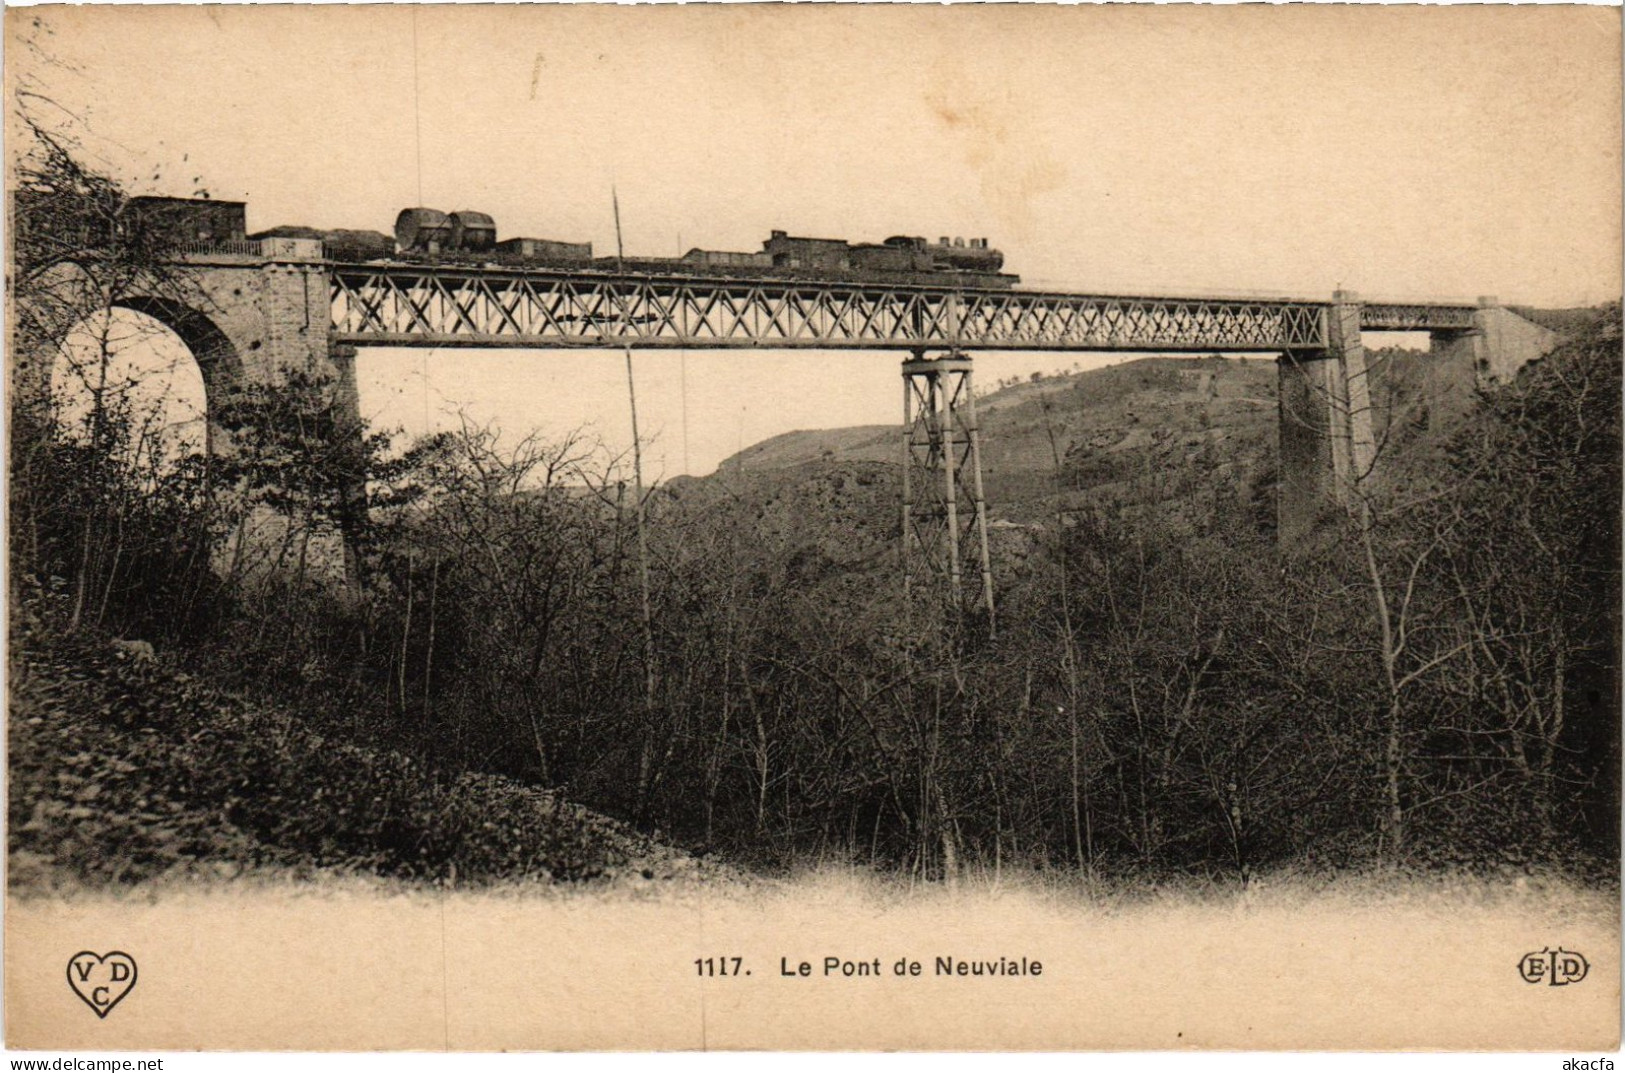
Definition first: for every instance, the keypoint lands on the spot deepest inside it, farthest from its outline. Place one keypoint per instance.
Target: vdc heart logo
(101, 980)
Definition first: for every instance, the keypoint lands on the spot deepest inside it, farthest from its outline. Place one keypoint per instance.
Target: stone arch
(70, 295)
(216, 355)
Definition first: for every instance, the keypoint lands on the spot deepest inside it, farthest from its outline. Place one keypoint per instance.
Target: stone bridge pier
(1328, 435)
(251, 317)
(256, 311)
(250, 313)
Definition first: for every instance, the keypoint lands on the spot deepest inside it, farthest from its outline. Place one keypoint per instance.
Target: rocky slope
(124, 770)
(1053, 443)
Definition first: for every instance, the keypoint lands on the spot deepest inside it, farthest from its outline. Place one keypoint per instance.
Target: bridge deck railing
(233, 247)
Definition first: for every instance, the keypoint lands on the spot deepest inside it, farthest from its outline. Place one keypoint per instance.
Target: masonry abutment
(254, 318)
(248, 320)
(347, 402)
(1327, 441)
(1327, 444)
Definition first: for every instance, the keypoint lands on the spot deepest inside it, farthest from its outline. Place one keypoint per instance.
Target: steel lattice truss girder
(1405, 317)
(397, 305)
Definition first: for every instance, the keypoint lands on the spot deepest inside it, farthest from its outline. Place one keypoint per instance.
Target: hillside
(125, 771)
(1109, 430)
(1190, 442)
(479, 715)
(1191, 435)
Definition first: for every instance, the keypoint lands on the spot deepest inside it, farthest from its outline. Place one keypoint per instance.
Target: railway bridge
(258, 308)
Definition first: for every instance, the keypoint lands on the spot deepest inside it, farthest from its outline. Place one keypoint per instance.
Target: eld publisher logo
(101, 980)
(1555, 967)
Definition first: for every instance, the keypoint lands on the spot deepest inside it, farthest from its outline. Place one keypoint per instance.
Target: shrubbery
(1437, 679)
(1165, 693)
(121, 771)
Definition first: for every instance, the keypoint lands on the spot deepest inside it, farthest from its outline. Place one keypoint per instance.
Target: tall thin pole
(979, 500)
(908, 490)
(615, 202)
(943, 415)
(682, 389)
(643, 543)
(649, 681)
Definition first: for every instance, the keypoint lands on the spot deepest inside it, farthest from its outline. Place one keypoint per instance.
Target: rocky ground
(127, 771)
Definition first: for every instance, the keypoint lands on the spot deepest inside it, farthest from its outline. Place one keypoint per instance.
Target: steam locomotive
(430, 236)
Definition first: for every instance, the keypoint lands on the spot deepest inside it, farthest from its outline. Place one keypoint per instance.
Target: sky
(1395, 151)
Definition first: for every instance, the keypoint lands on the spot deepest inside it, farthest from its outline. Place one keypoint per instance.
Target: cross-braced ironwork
(420, 305)
(946, 567)
(944, 514)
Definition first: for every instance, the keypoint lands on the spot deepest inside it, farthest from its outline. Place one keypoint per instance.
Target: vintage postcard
(829, 527)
